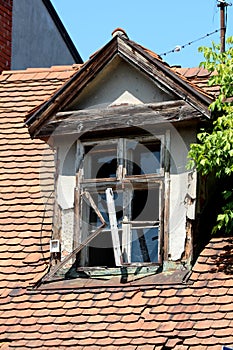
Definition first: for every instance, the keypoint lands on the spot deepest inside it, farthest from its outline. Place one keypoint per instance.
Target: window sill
(126, 272)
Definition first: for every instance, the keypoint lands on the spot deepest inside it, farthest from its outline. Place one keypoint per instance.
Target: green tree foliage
(213, 154)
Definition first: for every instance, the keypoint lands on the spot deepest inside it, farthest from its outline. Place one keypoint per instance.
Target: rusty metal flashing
(146, 281)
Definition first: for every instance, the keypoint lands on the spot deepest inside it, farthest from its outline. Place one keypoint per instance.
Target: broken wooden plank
(79, 122)
(94, 206)
(77, 221)
(113, 226)
(126, 240)
(71, 255)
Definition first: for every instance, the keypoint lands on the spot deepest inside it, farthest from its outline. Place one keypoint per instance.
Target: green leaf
(213, 152)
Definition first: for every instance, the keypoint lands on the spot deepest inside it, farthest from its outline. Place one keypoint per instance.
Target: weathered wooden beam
(94, 206)
(126, 240)
(77, 221)
(157, 106)
(77, 191)
(79, 122)
(166, 195)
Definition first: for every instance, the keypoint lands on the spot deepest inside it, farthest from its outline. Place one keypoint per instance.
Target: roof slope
(25, 185)
(149, 314)
(199, 77)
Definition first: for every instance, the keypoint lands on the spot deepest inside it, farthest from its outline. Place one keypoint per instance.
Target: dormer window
(121, 196)
(131, 172)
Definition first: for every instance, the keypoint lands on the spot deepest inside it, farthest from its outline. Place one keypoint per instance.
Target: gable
(119, 83)
(154, 76)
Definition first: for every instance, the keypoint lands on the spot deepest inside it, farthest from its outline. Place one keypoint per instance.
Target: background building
(32, 35)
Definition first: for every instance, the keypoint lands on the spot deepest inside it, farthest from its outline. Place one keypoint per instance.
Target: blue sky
(159, 25)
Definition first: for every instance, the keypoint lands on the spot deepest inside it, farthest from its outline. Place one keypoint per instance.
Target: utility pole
(222, 4)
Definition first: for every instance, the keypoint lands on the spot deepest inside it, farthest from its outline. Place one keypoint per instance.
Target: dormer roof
(173, 80)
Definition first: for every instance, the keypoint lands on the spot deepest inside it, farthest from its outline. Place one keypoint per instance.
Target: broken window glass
(100, 161)
(143, 157)
(144, 244)
(135, 220)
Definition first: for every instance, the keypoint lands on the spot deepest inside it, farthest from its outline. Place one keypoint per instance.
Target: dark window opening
(100, 161)
(145, 245)
(137, 202)
(145, 204)
(143, 158)
(101, 251)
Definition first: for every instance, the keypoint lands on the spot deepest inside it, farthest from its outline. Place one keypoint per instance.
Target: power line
(179, 47)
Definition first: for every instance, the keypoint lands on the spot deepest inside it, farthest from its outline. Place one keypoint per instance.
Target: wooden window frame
(160, 178)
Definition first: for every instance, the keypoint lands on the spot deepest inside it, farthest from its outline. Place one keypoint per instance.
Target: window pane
(100, 161)
(145, 245)
(100, 249)
(143, 158)
(145, 204)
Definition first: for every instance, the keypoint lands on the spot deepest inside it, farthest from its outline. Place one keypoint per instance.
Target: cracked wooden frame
(121, 257)
(77, 250)
(114, 227)
(82, 244)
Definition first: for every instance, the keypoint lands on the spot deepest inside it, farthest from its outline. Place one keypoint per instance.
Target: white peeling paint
(178, 211)
(67, 232)
(65, 191)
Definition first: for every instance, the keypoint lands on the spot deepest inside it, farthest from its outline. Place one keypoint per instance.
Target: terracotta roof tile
(151, 293)
(173, 300)
(198, 77)
(168, 326)
(20, 91)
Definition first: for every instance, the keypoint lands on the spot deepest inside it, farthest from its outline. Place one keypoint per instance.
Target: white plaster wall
(119, 79)
(66, 180)
(65, 191)
(67, 232)
(179, 188)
